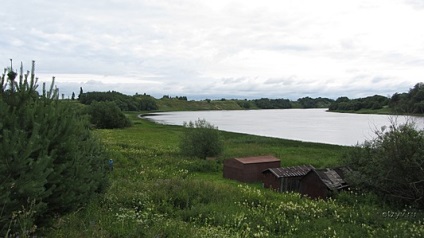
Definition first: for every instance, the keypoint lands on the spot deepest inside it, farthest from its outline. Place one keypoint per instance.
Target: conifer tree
(80, 93)
(50, 163)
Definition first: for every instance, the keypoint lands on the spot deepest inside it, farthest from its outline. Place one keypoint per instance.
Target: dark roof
(332, 178)
(293, 171)
(342, 171)
(257, 159)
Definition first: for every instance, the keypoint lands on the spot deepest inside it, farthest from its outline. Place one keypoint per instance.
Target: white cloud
(236, 48)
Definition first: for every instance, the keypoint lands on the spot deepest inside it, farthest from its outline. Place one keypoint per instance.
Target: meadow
(156, 192)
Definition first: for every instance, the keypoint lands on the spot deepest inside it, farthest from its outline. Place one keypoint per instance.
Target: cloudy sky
(220, 48)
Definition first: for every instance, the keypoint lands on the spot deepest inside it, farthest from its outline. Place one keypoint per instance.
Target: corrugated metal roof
(257, 159)
(293, 171)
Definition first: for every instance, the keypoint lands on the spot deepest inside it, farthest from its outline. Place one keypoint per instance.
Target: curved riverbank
(311, 125)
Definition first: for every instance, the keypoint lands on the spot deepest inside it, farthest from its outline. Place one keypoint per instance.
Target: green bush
(50, 162)
(107, 115)
(201, 139)
(392, 165)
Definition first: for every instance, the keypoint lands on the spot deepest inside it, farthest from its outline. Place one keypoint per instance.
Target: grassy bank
(155, 192)
(166, 104)
(383, 111)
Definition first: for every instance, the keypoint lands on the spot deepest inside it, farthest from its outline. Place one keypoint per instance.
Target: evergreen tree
(80, 93)
(50, 163)
(73, 96)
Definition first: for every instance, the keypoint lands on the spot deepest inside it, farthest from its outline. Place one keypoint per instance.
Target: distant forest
(148, 103)
(411, 102)
(124, 102)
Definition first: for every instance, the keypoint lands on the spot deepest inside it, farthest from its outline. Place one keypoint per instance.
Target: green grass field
(182, 105)
(156, 192)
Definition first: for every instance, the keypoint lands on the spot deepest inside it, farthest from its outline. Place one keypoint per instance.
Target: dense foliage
(392, 165)
(308, 102)
(371, 102)
(266, 103)
(411, 102)
(145, 102)
(305, 102)
(124, 102)
(50, 162)
(244, 104)
(107, 115)
(183, 98)
(201, 139)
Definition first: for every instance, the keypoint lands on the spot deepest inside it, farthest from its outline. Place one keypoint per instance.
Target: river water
(312, 125)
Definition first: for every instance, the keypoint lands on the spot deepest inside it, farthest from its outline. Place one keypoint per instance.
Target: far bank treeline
(411, 102)
(144, 102)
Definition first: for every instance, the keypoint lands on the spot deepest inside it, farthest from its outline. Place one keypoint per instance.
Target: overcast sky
(219, 48)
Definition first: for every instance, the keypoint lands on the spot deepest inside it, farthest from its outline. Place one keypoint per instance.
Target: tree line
(148, 103)
(281, 103)
(411, 102)
(124, 102)
(105, 109)
(372, 102)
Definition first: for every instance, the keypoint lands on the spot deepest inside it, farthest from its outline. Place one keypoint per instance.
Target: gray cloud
(210, 49)
(415, 3)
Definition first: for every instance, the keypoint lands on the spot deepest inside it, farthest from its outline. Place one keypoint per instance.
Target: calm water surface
(312, 125)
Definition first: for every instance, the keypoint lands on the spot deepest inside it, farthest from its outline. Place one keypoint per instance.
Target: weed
(155, 192)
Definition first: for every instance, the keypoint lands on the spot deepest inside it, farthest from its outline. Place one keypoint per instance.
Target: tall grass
(156, 192)
(181, 105)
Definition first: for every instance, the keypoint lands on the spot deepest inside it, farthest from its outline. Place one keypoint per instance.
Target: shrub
(201, 139)
(392, 164)
(107, 115)
(50, 162)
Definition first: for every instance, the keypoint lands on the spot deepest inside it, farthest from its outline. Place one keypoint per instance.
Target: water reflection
(313, 125)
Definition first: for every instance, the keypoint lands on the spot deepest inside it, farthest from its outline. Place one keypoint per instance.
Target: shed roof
(293, 171)
(257, 159)
(332, 178)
